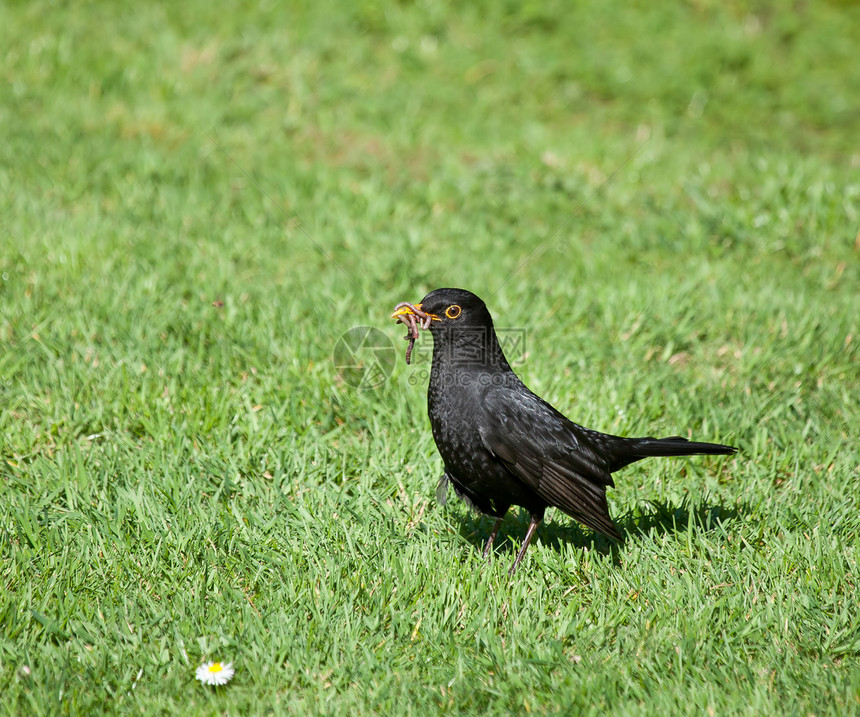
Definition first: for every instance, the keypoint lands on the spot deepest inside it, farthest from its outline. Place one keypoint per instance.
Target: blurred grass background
(182, 481)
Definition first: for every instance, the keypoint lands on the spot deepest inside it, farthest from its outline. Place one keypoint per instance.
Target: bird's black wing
(549, 453)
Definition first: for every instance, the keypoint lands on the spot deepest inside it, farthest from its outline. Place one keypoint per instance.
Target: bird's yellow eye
(453, 311)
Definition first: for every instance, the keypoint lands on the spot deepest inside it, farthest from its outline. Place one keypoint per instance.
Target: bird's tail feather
(630, 450)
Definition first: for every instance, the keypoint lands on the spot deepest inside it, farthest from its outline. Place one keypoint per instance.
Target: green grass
(182, 482)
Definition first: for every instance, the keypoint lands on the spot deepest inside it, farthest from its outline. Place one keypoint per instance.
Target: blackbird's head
(461, 326)
(449, 310)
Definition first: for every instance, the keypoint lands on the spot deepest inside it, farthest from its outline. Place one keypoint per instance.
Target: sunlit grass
(196, 202)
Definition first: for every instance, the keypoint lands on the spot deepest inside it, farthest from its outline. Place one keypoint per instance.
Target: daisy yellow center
(215, 667)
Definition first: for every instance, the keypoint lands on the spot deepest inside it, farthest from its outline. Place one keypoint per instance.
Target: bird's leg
(529, 535)
(493, 533)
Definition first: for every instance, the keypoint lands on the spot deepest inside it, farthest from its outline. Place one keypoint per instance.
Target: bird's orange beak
(405, 310)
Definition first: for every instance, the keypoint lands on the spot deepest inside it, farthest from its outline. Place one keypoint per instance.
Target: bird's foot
(489, 546)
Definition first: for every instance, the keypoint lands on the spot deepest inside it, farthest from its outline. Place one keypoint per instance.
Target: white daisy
(215, 673)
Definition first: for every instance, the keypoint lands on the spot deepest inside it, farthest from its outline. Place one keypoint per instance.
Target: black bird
(502, 445)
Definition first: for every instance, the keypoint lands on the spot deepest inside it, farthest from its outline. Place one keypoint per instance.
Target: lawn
(198, 202)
